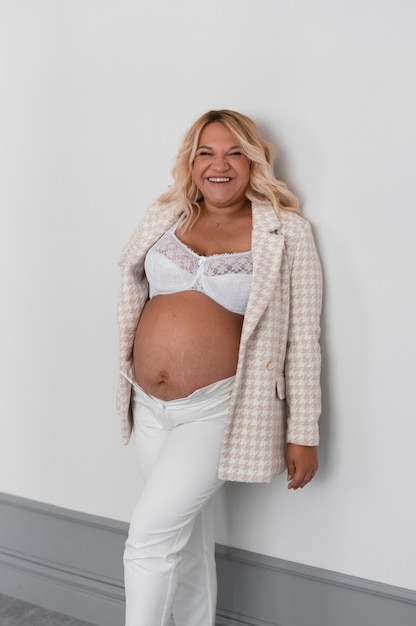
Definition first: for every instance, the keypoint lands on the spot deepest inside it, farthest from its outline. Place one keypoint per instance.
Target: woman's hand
(302, 465)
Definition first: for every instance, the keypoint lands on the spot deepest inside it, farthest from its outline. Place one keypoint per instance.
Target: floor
(18, 613)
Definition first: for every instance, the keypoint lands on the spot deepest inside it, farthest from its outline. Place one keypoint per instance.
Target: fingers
(300, 479)
(302, 464)
(291, 469)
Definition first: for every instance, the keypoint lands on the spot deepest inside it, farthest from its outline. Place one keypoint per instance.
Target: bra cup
(164, 276)
(172, 267)
(230, 290)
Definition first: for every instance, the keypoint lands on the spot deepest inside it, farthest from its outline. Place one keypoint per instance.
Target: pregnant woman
(220, 361)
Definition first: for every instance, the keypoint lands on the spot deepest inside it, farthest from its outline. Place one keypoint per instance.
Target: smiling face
(221, 170)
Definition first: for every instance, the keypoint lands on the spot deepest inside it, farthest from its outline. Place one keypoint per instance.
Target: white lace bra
(171, 267)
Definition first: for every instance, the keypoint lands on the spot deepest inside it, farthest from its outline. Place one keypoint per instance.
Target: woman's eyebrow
(210, 147)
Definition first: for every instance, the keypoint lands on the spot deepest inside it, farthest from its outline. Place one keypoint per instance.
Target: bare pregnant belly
(185, 341)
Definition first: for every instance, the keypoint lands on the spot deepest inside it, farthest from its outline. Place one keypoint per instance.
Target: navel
(162, 377)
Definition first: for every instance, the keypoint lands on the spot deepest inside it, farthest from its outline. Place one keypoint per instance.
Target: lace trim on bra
(214, 265)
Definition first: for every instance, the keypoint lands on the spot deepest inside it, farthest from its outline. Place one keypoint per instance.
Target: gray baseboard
(72, 562)
(257, 590)
(63, 560)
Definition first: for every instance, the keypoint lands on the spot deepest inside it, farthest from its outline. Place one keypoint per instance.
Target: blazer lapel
(134, 289)
(153, 226)
(267, 245)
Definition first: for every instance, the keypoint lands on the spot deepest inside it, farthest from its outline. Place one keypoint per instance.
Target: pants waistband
(218, 388)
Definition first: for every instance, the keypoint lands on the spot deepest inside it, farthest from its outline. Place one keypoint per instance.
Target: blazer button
(271, 365)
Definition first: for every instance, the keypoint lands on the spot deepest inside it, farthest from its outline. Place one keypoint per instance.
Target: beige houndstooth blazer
(276, 396)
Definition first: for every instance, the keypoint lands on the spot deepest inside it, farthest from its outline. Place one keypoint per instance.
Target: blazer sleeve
(303, 356)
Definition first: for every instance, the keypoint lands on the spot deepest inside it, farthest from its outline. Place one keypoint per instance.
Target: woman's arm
(303, 362)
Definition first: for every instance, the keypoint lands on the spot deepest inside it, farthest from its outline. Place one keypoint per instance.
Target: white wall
(95, 96)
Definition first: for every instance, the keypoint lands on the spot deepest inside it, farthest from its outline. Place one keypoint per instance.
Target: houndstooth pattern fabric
(276, 395)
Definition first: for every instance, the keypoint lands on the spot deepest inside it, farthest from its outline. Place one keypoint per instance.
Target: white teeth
(219, 180)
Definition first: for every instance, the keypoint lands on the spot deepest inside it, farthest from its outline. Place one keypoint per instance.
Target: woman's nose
(220, 164)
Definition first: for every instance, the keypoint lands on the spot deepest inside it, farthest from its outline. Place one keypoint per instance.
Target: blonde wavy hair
(263, 188)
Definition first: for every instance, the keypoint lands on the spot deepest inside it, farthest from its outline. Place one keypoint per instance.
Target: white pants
(169, 559)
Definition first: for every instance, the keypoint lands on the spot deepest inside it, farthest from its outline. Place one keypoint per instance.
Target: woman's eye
(235, 154)
(204, 153)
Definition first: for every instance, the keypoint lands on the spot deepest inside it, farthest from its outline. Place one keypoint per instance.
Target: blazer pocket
(281, 386)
